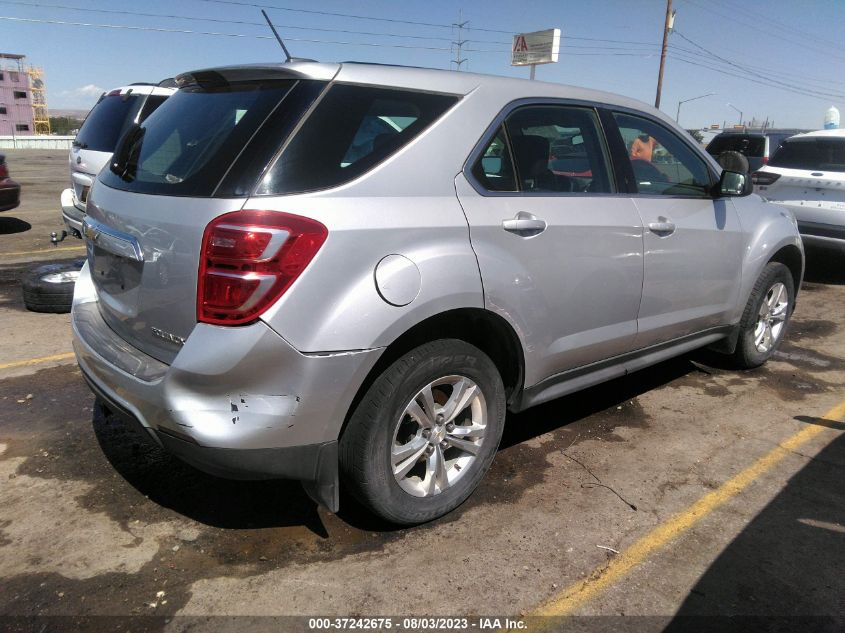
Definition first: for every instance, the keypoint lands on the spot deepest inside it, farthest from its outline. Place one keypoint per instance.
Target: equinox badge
(167, 336)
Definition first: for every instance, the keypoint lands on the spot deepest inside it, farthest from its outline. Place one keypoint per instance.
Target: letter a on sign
(519, 44)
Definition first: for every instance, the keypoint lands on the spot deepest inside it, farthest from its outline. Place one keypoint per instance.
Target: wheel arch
(791, 257)
(482, 328)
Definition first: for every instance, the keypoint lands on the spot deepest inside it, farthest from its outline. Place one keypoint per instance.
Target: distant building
(23, 105)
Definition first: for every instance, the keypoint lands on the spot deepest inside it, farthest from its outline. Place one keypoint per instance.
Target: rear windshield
(352, 129)
(187, 147)
(107, 121)
(814, 154)
(747, 145)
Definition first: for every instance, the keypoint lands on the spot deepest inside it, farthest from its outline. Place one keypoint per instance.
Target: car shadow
(783, 571)
(10, 225)
(558, 413)
(212, 501)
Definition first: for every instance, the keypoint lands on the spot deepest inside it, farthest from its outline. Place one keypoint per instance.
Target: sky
(778, 59)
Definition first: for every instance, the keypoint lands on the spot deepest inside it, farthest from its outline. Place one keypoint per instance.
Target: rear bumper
(314, 464)
(238, 402)
(71, 215)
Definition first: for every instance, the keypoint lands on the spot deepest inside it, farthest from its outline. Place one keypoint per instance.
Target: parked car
(114, 113)
(807, 176)
(369, 316)
(757, 147)
(10, 191)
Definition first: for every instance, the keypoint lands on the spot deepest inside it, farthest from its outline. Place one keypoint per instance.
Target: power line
(323, 29)
(235, 35)
(743, 68)
(698, 63)
(825, 83)
(791, 29)
(332, 13)
(757, 27)
(229, 21)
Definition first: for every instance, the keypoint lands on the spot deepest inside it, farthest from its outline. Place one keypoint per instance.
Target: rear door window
(812, 154)
(351, 130)
(107, 122)
(558, 149)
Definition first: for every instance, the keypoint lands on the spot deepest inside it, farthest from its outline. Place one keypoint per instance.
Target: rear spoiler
(258, 73)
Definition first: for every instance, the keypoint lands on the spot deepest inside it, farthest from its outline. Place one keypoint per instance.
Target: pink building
(16, 115)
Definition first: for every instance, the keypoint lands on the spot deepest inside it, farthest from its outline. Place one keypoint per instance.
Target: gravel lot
(590, 507)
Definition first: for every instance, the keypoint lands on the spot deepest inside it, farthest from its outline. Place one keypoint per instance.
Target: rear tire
(425, 432)
(40, 295)
(766, 316)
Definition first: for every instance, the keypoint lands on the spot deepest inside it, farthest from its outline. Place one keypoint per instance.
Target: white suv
(807, 176)
(113, 114)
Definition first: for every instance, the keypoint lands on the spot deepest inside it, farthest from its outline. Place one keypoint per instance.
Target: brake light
(765, 160)
(249, 259)
(764, 178)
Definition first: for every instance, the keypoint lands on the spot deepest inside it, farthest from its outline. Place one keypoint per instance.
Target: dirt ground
(596, 491)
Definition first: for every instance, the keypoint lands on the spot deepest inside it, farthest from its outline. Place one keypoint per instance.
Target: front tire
(425, 432)
(766, 316)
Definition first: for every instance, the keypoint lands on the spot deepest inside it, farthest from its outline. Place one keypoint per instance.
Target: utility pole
(456, 46)
(667, 27)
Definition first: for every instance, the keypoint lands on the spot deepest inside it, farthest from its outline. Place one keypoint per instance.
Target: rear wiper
(128, 149)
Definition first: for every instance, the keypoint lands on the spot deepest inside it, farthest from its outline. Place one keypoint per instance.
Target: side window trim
(624, 174)
(499, 122)
(712, 176)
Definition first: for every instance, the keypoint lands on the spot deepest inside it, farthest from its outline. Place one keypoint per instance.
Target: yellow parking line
(38, 361)
(55, 249)
(571, 598)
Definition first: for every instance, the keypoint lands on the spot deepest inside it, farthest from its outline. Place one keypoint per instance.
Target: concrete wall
(18, 110)
(35, 142)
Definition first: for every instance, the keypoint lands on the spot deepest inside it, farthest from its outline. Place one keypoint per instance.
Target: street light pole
(678, 115)
(738, 110)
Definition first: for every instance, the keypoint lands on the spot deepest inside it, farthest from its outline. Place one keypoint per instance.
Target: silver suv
(347, 274)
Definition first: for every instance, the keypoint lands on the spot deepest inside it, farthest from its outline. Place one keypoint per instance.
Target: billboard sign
(540, 47)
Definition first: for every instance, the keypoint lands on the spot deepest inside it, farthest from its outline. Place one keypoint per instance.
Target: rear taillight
(249, 259)
(4, 171)
(765, 160)
(764, 178)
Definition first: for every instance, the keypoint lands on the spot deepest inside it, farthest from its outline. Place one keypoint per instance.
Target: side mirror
(733, 183)
(736, 177)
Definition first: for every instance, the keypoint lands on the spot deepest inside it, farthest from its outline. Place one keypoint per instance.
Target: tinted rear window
(352, 129)
(814, 154)
(747, 145)
(107, 121)
(188, 146)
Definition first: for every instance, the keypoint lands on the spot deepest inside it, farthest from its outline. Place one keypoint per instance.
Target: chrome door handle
(662, 228)
(524, 225)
